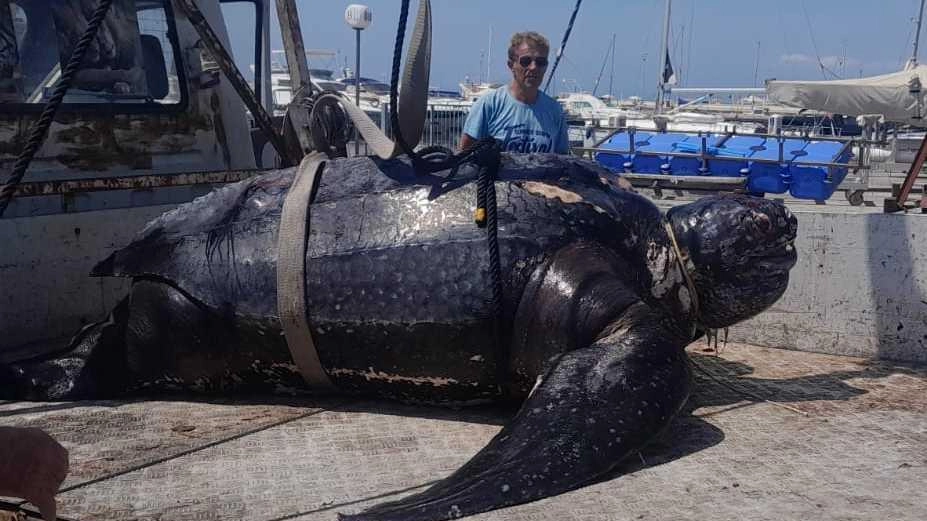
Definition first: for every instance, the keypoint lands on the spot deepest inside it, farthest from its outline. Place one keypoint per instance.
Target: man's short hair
(531, 38)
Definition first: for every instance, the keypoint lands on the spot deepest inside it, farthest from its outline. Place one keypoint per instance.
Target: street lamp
(359, 18)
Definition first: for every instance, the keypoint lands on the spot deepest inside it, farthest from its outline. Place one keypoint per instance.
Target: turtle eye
(763, 224)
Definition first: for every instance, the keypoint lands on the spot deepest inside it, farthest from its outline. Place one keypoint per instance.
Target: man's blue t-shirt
(539, 127)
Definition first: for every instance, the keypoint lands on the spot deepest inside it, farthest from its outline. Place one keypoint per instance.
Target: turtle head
(741, 250)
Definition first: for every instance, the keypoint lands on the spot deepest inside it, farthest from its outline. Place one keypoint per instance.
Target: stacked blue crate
(733, 148)
(689, 166)
(803, 170)
(736, 149)
(655, 164)
(818, 182)
(615, 151)
(773, 178)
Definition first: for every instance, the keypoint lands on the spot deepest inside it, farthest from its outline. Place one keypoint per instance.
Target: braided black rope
(394, 79)
(566, 36)
(437, 163)
(435, 153)
(40, 127)
(486, 199)
(486, 154)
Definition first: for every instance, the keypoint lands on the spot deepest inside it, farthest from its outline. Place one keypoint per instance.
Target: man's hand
(465, 142)
(32, 467)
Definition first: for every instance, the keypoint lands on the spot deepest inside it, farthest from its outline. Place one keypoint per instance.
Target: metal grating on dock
(768, 434)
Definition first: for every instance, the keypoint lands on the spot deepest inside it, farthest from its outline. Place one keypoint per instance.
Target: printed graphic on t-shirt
(519, 138)
(520, 127)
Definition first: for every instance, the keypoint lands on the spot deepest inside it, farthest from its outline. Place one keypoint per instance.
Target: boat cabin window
(243, 19)
(130, 64)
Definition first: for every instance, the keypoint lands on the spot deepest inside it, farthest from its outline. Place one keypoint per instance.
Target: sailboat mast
(611, 46)
(482, 57)
(611, 79)
(917, 34)
(489, 57)
(663, 52)
(756, 63)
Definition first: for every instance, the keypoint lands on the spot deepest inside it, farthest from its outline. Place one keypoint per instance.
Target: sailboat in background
(659, 115)
(470, 91)
(896, 97)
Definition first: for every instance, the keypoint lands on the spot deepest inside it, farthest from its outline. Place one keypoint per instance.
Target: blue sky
(713, 42)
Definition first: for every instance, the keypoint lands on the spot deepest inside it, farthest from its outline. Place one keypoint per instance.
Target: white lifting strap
(291, 273)
(294, 221)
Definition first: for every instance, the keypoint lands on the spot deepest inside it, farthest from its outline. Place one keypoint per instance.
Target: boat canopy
(897, 96)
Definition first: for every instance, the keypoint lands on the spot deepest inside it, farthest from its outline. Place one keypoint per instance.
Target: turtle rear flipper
(594, 407)
(92, 366)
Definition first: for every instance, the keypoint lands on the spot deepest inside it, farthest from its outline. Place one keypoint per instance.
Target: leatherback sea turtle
(601, 294)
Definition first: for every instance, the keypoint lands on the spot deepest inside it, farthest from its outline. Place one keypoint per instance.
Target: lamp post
(359, 18)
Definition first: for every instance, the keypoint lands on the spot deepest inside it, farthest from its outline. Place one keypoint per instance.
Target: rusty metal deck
(769, 434)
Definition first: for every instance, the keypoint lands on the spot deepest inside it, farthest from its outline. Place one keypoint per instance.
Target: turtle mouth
(777, 260)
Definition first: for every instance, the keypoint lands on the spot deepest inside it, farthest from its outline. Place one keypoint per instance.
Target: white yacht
(586, 109)
(373, 93)
(474, 91)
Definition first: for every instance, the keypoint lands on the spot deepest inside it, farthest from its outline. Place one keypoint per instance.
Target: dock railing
(858, 167)
(444, 122)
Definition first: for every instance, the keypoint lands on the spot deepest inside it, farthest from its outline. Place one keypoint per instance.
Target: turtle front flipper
(595, 406)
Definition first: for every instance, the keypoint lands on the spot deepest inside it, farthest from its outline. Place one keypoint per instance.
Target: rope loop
(683, 263)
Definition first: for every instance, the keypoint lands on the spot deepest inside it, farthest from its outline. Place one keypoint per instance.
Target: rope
(486, 199)
(480, 153)
(684, 262)
(566, 36)
(394, 79)
(486, 154)
(814, 45)
(436, 153)
(40, 128)
(681, 261)
(413, 99)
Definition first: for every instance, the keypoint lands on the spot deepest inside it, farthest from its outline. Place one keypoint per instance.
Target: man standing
(519, 115)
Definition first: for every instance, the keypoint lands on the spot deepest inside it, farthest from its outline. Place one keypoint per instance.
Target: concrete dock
(768, 434)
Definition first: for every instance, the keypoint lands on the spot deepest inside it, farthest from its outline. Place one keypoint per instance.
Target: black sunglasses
(525, 61)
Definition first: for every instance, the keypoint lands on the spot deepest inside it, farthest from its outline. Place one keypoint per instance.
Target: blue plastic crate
(686, 165)
(655, 164)
(736, 148)
(620, 144)
(741, 147)
(773, 177)
(693, 145)
(818, 183)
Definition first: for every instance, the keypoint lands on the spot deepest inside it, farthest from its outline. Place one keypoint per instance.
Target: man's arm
(562, 145)
(466, 141)
(475, 127)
